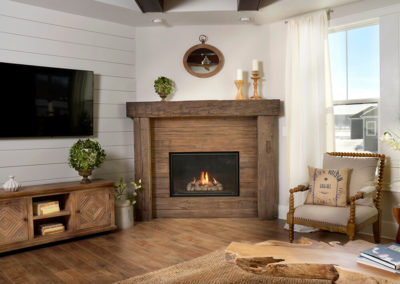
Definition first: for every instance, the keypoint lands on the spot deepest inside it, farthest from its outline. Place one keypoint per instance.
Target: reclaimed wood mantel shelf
(249, 127)
(203, 108)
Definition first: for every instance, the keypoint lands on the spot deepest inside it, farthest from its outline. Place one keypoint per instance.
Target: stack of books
(385, 257)
(51, 228)
(46, 207)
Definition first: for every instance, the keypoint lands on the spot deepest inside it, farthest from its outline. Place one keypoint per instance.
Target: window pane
(363, 62)
(356, 127)
(337, 54)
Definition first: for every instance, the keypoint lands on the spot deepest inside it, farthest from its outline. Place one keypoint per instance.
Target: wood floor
(146, 247)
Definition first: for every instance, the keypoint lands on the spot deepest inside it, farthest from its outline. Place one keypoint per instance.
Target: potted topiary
(85, 156)
(163, 87)
(125, 199)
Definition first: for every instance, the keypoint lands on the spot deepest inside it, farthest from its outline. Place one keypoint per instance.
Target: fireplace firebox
(204, 174)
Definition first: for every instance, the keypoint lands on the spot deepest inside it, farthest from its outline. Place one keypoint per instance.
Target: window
(354, 59)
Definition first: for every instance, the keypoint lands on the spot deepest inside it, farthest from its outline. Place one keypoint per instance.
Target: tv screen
(43, 101)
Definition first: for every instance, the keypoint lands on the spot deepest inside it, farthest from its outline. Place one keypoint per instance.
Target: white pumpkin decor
(11, 185)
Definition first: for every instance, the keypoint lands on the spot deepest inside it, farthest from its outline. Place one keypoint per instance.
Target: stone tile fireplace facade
(245, 127)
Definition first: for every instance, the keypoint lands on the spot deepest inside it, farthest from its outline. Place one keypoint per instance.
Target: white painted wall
(37, 36)
(161, 55)
(160, 51)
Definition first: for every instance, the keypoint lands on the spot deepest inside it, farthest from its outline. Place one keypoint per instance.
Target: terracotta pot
(85, 175)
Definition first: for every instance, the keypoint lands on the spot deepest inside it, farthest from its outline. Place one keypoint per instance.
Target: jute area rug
(211, 268)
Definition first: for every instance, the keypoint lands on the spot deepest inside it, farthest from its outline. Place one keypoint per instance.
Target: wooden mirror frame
(210, 47)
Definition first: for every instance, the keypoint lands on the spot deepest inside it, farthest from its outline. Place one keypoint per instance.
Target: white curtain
(308, 104)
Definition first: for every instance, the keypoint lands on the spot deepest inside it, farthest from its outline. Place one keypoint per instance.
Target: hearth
(204, 174)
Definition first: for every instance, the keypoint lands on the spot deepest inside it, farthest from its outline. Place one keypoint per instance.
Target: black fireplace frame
(235, 194)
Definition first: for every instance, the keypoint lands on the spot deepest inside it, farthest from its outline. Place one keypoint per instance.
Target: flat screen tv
(45, 102)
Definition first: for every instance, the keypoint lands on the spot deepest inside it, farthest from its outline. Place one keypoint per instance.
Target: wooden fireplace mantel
(203, 108)
(229, 116)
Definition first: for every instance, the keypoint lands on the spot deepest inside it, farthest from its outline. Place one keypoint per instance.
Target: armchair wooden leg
(289, 220)
(376, 227)
(291, 232)
(351, 231)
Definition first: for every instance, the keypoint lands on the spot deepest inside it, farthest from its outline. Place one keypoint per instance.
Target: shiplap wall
(37, 36)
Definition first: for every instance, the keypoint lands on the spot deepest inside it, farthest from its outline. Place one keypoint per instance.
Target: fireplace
(204, 174)
(248, 127)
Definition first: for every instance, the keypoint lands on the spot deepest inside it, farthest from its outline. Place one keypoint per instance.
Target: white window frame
(346, 28)
(356, 101)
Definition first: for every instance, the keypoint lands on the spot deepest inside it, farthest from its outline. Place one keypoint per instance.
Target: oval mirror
(203, 60)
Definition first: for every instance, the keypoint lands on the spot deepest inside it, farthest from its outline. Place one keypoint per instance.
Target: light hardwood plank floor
(148, 246)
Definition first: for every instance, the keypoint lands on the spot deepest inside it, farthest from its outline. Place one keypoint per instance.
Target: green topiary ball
(86, 155)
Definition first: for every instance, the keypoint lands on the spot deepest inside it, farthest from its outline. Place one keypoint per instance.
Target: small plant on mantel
(85, 156)
(163, 87)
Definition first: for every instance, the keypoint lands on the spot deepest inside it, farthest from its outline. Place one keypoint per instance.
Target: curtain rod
(328, 12)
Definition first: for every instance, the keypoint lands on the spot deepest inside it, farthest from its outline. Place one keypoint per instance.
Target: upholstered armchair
(363, 202)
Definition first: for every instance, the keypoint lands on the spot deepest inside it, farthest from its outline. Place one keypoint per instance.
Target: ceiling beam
(248, 5)
(148, 6)
(253, 5)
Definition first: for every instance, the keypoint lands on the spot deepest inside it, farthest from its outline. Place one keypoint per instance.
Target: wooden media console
(84, 209)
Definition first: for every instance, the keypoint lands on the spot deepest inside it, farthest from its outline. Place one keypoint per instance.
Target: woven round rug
(211, 268)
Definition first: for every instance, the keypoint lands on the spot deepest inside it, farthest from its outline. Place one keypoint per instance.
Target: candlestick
(239, 85)
(239, 74)
(255, 77)
(255, 65)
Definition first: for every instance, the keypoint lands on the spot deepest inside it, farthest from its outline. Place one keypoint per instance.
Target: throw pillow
(362, 173)
(328, 186)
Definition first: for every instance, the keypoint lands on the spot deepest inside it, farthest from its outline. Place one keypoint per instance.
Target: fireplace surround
(248, 127)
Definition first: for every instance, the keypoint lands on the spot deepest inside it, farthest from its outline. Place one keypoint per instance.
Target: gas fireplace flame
(204, 178)
(205, 183)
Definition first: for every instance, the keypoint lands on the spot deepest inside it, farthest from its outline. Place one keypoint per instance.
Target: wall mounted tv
(44, 102)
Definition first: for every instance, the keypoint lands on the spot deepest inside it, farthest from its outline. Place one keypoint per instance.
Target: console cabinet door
(13, 220)
(93, 208)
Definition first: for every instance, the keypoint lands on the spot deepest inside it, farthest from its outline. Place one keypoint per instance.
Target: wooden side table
(396, 213)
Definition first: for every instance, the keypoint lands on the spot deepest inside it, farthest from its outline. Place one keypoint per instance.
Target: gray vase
(123, 214)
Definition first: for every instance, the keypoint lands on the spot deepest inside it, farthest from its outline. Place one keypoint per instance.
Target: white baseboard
(389, 229)
(282, 211)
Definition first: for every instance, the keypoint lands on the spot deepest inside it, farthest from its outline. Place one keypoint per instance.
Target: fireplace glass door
(204, 173)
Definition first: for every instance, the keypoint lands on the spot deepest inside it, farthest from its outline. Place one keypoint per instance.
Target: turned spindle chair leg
(376, 227)
(291, 232)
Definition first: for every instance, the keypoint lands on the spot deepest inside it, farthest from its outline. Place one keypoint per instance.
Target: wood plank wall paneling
(36, 36)
(207, 135)
(143, 166)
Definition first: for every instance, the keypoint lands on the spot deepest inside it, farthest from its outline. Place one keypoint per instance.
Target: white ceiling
(185, 12)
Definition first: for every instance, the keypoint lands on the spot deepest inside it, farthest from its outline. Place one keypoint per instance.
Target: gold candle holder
(239, 85)
(255, 76)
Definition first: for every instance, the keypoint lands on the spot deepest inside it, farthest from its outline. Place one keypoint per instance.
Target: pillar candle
(255, 65)
(239, 74)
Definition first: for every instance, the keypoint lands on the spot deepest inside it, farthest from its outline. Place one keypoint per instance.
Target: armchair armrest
(370, 196)
(358, 195)
(299, 188)
(368, 189)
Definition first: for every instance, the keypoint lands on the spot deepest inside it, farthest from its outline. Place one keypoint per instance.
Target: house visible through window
(354, 59)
